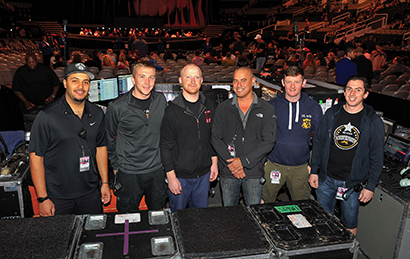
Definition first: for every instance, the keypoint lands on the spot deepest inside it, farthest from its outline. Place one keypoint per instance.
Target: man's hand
(174, 184)
(314, 180)
(105, 194)
(365, 196)
(236, 168)
(49, 99)
(214, 172)
(28, 105)
(46, 208)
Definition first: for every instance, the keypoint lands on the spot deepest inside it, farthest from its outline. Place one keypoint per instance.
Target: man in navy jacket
(298, 117)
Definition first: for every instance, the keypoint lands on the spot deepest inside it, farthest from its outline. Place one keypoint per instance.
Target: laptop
(396, 151)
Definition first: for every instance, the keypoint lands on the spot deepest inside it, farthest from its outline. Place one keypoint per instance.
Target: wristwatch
(42, 199)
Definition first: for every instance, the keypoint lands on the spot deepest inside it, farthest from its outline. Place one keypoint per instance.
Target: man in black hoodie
(188, 158)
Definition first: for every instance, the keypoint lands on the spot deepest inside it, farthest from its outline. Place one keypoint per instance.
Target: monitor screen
(124, 83)
(397, 149)
(389, 126)
(103, 89)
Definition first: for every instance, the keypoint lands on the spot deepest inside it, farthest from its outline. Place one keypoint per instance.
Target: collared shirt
(244, 117)
(54, 136)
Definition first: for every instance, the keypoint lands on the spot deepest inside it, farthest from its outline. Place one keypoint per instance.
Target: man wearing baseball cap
(68, 153)
(260, 52)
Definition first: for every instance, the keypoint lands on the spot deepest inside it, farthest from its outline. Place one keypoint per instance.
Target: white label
(299, 221)
(132, 218)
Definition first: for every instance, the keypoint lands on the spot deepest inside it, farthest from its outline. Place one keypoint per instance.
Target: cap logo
(80, 66)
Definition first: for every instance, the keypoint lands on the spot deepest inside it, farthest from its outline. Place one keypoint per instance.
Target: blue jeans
(326, 196)
(260, 62)
(252, 191)
(194, 193)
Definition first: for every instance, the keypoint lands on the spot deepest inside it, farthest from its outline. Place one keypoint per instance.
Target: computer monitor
(389, 126)
(124, 83)
(397, 149)
(103, 89)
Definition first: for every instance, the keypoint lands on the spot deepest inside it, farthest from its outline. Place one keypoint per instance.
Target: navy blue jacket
(296, 122)
(367, 163)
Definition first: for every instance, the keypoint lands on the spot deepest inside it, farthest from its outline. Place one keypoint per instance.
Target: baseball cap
(77, 68)
(258, 36)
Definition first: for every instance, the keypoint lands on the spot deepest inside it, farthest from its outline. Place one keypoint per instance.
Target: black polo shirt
(54, 136)
(36, 85)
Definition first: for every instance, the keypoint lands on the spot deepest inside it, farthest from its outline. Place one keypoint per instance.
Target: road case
(303, 229)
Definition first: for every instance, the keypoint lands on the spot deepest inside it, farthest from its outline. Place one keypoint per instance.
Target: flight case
(303, 229)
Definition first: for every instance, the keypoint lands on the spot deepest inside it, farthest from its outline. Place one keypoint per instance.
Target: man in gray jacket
(133, 125)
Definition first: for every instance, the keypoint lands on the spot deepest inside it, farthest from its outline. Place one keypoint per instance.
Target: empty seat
(210, 79)
(402, 95)
(400, 82)
(390, 89)
(404, 88)
(376, 88)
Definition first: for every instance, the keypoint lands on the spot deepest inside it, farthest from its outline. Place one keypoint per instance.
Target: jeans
(260, 62)
(252, 191)
(194, 193)
(326, 196)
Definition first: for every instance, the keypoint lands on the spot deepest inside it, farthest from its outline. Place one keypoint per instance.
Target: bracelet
(53, 96)
(104, 182)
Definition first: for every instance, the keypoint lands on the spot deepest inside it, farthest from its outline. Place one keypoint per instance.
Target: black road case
(303, 229)
(146, 234)
(42, 238)
(220, 232)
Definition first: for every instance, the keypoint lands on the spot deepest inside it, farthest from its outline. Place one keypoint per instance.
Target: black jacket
(133, 139)
(186, 140)
(364, 68)
(253, 144)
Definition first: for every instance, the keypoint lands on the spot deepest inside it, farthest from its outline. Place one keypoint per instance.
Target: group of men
(182, 146)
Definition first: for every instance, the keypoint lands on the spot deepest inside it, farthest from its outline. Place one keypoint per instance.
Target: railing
(406, 36)
(247, 7)
(289, 3)
(341, 17)
(363, 7)
(279, 23)
(359, 29)
(303, 10)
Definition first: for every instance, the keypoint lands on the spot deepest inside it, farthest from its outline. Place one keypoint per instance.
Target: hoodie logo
(260, 115)
(208, 116)
(306, 124)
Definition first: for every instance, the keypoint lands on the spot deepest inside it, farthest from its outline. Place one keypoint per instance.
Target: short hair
(360, 78)
(245, 68)
(141, 65)
(152, 53)
(349, 50)
(190, 65)
(294, 71)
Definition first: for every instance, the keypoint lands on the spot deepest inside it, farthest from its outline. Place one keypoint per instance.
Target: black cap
(78, 68)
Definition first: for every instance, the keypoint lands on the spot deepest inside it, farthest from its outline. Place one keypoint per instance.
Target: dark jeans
(134, 186)
(87, 204)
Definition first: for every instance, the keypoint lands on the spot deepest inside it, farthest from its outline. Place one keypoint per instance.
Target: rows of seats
(393, 85)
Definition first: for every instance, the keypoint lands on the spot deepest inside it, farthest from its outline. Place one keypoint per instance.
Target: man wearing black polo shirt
(35, 84)
(68, 148)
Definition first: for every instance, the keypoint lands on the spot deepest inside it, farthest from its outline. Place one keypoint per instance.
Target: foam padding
(48, 237)
(219, 232)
